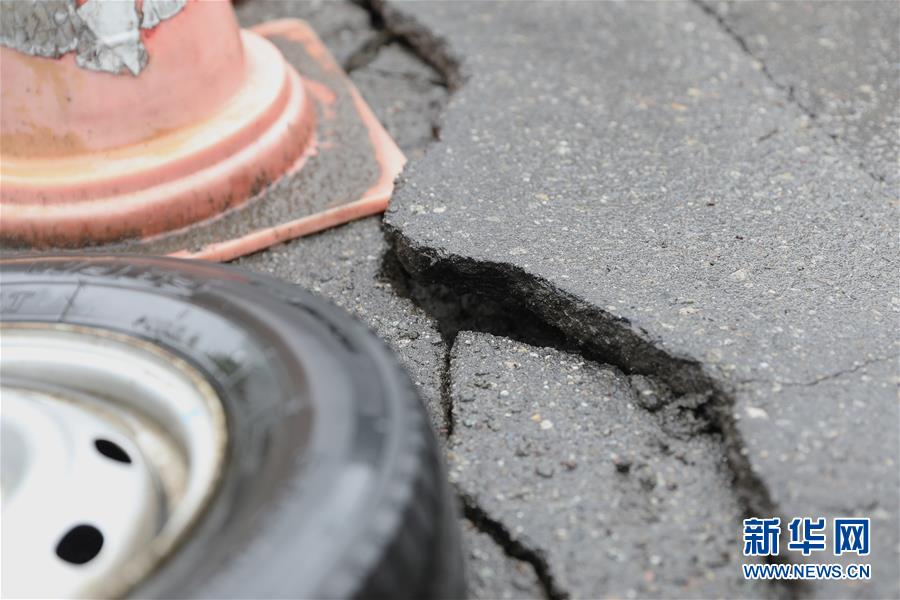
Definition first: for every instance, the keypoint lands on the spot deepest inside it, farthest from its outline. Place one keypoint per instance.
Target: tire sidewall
(326, 437)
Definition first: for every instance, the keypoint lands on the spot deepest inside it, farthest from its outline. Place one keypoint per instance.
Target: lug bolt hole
(112, 451)
(80, 544)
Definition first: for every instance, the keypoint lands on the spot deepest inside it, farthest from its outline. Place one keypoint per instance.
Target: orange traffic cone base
(285, 157)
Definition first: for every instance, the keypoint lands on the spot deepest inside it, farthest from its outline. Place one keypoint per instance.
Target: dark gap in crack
(787, 89)
(408, 35)
(368, 51)
(446, 388)
(511, 546)
(428, 47)
(437, 80)
(498, 298)
(458, 310)
(392, 27)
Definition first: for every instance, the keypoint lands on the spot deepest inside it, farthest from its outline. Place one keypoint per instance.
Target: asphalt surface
(622, 499)
(631, 175)
(840, 63)
(695, 206)
(492, 575)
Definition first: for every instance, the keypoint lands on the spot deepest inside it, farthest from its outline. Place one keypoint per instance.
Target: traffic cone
(126, 119)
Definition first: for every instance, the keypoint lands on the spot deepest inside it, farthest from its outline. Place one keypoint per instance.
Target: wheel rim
(111, 447)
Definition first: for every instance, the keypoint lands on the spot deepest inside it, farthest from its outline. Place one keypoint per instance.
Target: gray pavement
(564, 453)
(631, 175)
(492, 575)
(695, 202)
(838, 60)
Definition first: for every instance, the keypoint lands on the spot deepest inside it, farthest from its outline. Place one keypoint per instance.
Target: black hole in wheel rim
(80, 544)
(112, 451)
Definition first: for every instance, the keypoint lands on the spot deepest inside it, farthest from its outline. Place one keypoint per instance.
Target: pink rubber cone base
(342, 170)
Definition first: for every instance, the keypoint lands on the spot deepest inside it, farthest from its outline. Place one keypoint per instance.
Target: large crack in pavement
(467, 296)
(644, 263)
(628, 224)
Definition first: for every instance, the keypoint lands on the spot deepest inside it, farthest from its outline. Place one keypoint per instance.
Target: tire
(334, 484)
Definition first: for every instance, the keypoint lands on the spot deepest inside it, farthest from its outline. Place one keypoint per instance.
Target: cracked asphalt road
(567, 454)
(678, 220)
(838, 62)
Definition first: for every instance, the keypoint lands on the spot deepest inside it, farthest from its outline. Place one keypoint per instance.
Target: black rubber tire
(334, 485)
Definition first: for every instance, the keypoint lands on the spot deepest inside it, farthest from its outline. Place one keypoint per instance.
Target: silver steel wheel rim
(106, 435)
